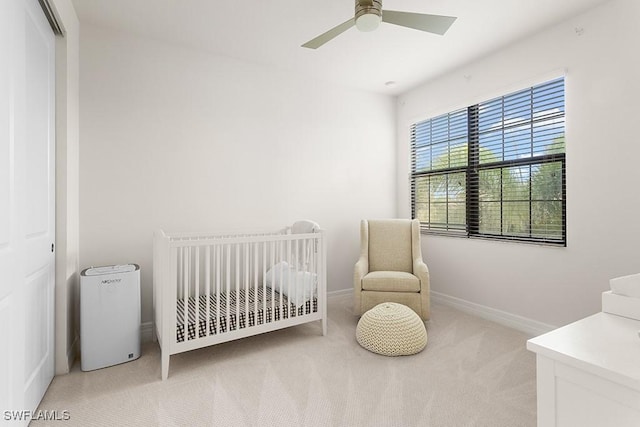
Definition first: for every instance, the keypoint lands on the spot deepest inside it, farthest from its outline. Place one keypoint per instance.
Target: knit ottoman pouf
(391, 329)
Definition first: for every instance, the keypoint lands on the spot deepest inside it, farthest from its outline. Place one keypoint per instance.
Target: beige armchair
(390, 268)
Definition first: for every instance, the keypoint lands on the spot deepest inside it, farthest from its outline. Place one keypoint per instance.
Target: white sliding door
(27, 204)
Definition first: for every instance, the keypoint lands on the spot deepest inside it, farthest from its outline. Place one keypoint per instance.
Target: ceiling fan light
(368, 22)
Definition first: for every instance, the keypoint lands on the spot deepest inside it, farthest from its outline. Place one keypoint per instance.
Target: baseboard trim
(528, 326)
(72, 353)
(146, 331)
(339, 293)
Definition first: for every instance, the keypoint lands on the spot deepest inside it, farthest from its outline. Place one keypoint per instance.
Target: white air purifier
(109, 315)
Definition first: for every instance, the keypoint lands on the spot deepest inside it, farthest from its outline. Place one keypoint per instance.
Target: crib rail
(211, 288)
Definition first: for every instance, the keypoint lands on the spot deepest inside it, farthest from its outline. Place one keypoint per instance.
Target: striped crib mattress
(238, 303)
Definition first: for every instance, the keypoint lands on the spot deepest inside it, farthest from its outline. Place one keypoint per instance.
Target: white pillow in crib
(303, 283)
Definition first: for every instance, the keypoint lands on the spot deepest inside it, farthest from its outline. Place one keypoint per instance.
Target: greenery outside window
(495, 169)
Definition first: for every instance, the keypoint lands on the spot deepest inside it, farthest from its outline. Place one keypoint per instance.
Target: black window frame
(474, 167)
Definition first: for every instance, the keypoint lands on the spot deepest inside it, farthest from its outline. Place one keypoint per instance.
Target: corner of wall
(67, 225)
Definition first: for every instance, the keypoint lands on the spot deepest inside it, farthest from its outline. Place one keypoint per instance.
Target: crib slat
(305, 260)
(207, 254)
(310, 258)
(315, 266)
(290, 271)
(247, 264)
(196, 280)
(255, 283)
(178, 289)
(185, 291)
(273, 280)
(280, 253)
(179, 274)
(228, 282)
(218, 249)
(237, 262)
(264, 280)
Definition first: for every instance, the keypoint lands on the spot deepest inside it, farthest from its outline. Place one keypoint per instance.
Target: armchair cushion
(390, 245)
(390, 281)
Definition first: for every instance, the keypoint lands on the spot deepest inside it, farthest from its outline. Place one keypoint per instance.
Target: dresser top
(603, 344)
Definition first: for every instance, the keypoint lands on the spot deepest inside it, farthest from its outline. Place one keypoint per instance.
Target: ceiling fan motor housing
(368, 14)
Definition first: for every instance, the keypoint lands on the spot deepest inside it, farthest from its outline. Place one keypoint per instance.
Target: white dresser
(588, 373)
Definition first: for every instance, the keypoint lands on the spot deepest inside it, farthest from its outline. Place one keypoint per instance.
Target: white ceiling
(270, 32)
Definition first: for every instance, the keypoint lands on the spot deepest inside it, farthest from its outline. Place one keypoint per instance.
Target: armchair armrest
(361, 269)
(421, 270)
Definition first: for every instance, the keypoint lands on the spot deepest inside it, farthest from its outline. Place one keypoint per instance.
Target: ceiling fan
(369, 14)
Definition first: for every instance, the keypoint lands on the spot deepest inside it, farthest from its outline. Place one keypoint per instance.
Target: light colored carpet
(473, 373)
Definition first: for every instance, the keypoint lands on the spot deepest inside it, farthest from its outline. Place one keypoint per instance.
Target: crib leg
(165, 365)
(324, 326)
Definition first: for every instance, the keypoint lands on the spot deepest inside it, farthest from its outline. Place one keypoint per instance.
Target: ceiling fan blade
(329, 35)
(437, 24)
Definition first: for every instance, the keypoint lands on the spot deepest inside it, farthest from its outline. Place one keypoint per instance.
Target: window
(495, 169)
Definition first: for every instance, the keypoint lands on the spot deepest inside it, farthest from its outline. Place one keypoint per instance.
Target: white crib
(244, 284)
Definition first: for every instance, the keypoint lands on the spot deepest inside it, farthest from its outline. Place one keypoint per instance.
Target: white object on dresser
(588, 373)
(626, 285)
(621, 305)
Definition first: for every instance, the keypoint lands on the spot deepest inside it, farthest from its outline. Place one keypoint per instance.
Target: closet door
(27, 230)
(11, 247)
(39, 217)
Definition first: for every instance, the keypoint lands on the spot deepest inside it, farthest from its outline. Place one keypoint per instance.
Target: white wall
(551, 285)
(187, 141)
(67, 222)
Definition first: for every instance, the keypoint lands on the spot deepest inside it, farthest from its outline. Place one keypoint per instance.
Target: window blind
(495, 169)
